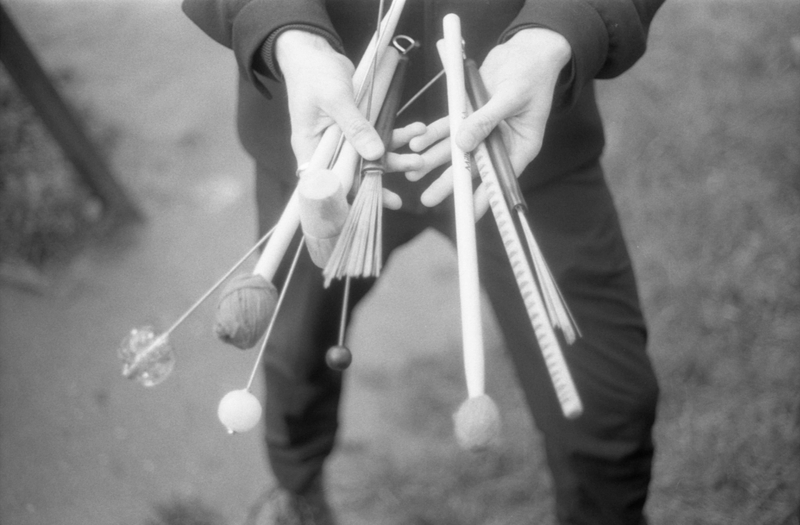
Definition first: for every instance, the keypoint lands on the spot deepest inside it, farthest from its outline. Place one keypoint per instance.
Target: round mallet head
(338, 357)
(477, 423)
(239, 411)
(244, 310)
(146, 357)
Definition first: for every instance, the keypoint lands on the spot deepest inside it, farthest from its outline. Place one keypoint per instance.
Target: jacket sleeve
(607, 36)
(244, 25)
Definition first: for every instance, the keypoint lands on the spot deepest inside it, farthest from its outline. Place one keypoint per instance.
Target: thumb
(476, 127)
(303, 147)
(358, 131)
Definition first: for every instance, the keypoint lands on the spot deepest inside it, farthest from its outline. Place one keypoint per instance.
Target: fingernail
(373, 151)
(392, 202)
(465, 142)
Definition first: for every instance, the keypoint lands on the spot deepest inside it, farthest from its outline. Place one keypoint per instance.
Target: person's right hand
(319, 86)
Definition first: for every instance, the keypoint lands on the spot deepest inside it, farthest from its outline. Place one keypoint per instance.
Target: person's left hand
(520, 76)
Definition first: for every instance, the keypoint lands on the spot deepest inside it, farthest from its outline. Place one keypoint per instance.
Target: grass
(181, 511)
(711, 210)
(703, 160)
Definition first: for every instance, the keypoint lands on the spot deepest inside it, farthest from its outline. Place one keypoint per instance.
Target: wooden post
(62, 123)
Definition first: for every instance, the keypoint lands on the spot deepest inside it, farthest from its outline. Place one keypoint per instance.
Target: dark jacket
(607, 37)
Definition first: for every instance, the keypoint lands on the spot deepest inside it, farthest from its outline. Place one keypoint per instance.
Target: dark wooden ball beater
(338, 357)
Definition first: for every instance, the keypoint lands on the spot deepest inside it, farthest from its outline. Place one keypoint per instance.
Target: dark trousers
(601, 461)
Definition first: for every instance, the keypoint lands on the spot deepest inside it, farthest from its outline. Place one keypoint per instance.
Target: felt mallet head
(239, 411)
(477, 424)
(244, 310)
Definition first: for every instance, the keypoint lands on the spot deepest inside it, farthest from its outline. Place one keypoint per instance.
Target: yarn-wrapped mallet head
(246, 305)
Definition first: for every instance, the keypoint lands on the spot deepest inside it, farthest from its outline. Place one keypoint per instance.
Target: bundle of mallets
(344, 240)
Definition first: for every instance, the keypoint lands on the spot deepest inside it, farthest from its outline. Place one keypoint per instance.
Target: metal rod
(345, 304)
(275, 313)
(218, 283)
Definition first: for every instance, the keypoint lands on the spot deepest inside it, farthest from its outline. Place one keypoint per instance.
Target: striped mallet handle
(557, 367)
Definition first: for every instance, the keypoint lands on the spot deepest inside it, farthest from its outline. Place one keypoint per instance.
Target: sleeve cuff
(266, 56)
(258, 21)
(584, 29)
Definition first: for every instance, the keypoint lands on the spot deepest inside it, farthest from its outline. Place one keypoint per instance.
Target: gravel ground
(79, 444)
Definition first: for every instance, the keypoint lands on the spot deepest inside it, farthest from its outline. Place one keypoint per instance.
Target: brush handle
(479, 96)
(469, 285)
(348, 159)
(384, 125)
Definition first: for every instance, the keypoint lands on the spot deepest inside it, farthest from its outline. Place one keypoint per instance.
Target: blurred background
(703, 159)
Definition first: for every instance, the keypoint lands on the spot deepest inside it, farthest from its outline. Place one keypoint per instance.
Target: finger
(435, 132)
(401, 136)
(476, 127)
(397, 162)
(438, 190)
(358, 131)
(391, 200)
(434, 157)
(481, 201)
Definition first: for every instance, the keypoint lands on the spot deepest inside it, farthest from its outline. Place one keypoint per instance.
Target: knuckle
(484, 124)
(356, 127)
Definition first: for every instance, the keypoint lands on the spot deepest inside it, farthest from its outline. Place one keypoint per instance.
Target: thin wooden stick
(469, 285)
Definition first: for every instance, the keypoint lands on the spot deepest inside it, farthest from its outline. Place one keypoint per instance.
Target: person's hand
(319, 87)
(320, 93)
(520, 76)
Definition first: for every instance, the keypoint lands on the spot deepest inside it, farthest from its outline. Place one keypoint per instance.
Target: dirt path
(79, 444)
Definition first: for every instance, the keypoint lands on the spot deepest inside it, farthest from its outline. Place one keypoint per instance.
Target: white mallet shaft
(466, 245)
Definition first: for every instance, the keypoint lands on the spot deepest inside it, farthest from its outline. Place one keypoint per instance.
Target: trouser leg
(302, 393)
(600, 462)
